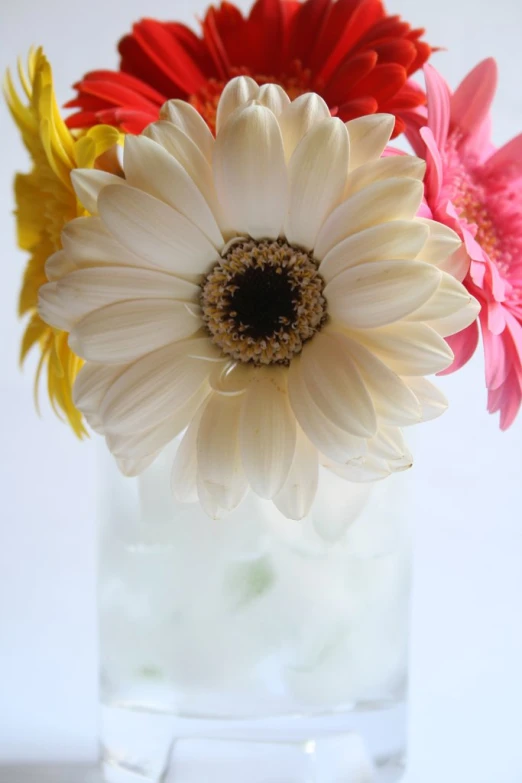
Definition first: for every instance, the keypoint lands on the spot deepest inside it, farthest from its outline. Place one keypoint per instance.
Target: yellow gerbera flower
(45, 202)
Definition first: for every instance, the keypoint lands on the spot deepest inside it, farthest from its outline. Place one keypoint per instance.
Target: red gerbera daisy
(350, 52)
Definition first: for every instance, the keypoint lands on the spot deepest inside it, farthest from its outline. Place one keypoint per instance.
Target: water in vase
(253, 649)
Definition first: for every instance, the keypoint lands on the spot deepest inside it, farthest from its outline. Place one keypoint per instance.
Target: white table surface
(49, 774)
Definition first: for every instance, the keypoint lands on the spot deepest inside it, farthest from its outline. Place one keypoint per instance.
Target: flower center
(470, 199)
(471, 206)
(263, 301)
(296, 82)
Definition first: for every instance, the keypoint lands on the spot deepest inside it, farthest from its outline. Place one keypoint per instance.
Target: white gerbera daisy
(270, 291)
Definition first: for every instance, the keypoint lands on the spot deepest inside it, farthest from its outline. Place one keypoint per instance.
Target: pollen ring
(262, 301)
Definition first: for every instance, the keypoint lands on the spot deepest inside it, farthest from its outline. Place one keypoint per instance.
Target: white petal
(250, 173)
(336, 386)
(295, 498)
(397, 198)
(238, 92)
(58, 265)
(124, 331)
(380, 293)
(457, 264)
(50, 307)
(134, 467)
(209, 502)
(186, 118)
(88, 183)
(155, 232)
(400, 239)
(153, 387)
(267, 432)
(389, 444)
(88, 243)
(442, 242)
(433, 402)
(448, 298)
(331, 521)
(188, 155)
(184, 474)
(302, 114)
(369, 136)
(409, 348)
(384, 168)
(92, 384)
(394, 402)
(137, 445)
(274, 98)
(219, 456)
(367, 468)
(94, 421)
(317, 176)
(149, 167)
(456, 322)
(88, 289)
(231, 378)
(333, 442)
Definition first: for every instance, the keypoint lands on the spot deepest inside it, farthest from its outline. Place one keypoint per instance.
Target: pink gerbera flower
(476, 190)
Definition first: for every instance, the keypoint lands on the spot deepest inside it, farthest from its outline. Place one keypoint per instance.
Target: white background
(467, 641)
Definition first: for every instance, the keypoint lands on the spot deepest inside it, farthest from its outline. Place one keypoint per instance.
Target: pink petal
(392, 152)
(496, 356)
(415, 120)
(507, 161)
(463, 346)
(455, 222)
(439, 96)
(472, 100)
(496, 318)
(425, 211)
(514, 328)
(477, 272)
(478, 144)
(475, 251)
(434, 170)
(496, 282)
(506, 399)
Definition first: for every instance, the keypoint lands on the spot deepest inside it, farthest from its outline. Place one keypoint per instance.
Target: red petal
(340, 87)
(305, 28)
(215, 45)
(266, 37)
(82, 119)
(357, 108)
(399, 127)
(409, 97)
(416, 33)
(230, 25)
(194, 46)
(383, 82)
(398, 51)
(137, 63)
(168, 54)
(345, 26)
(126, 80)
(117, 95)
(128, 120)
(389, 27)
(88, 103)
(424, 51)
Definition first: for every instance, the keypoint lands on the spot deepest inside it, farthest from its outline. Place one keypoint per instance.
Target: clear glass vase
(253, 649)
